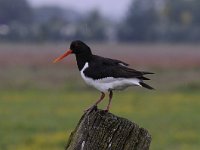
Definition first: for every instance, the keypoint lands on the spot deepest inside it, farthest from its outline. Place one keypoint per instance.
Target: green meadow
(41, 102)
(35, 119)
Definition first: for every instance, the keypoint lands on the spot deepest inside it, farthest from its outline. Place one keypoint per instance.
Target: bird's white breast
(109, 83)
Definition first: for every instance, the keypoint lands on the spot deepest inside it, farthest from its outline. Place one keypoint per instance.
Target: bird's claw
(94, 107)
(106, 110)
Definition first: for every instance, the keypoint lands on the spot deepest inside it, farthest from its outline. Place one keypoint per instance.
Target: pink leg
(110, 98)
(97, 102)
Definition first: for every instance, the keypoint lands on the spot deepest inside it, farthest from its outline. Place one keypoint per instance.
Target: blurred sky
(110, 8)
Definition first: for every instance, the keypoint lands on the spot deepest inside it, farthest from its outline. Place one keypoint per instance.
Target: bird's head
(78, 48)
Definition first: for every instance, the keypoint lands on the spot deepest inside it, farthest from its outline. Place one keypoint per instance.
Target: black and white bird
(104, 74)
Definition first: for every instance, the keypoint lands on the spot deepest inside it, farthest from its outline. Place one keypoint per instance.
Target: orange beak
(62, 56)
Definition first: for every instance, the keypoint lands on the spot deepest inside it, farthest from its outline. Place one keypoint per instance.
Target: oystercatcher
(105, 74)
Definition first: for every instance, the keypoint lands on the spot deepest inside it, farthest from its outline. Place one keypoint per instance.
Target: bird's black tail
(146, 86)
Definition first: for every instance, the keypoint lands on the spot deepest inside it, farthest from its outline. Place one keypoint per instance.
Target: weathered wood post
(99, 130)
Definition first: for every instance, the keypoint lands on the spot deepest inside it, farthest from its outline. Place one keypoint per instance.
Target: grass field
(32, 119)
(41, 102)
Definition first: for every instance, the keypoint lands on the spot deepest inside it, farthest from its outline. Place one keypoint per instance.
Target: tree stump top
(100, 130)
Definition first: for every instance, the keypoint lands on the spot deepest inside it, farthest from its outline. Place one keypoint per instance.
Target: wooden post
(100, 130)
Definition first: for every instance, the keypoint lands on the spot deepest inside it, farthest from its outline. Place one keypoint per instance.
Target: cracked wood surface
(100, 130)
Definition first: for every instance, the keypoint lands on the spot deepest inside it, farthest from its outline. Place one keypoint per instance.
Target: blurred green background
(41, 102)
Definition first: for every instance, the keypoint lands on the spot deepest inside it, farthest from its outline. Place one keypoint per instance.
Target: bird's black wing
(106, 67)
(114, 61)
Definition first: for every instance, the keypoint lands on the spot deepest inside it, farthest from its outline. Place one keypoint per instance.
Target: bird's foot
(93, 107)
(106, 110)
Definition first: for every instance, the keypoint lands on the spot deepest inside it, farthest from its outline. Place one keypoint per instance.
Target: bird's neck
(82, 59)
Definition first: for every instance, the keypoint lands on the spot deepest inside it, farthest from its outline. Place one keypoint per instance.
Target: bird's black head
(80, 48)
(82, 52)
